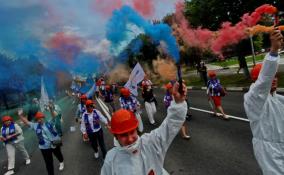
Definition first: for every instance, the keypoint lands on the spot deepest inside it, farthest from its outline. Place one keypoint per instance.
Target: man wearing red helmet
(12, 136)
(47, 136)
(265, 110)
(143, 155)
(91, 128)
(81, 107)
(130, 103)
(214, 88)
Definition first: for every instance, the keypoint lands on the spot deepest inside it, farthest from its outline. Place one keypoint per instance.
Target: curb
(231, 89)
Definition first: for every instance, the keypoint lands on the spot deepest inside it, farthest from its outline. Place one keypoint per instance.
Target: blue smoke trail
(117, 30)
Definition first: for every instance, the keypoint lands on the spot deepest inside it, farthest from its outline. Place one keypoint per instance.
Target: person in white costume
(265, 110)
(143, 155)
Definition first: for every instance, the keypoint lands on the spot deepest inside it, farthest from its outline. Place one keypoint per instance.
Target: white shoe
(61, 166)
(28, 161)
(10, 172)
(96, 155)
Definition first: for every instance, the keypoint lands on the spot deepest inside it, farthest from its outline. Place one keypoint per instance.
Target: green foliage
(258, 42)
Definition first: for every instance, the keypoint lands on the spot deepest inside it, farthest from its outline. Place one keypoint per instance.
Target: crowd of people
(136, 152)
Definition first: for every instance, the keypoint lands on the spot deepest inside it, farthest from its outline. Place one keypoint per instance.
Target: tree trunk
(243, 65)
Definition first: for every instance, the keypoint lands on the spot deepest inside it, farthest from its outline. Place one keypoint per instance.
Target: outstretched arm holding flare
(265, 110)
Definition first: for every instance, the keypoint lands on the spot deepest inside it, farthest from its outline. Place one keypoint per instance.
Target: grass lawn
(234, 80)
(234, 61)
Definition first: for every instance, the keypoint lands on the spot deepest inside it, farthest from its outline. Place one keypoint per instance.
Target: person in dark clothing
(203, 73)
(150, 103)
(109, 97)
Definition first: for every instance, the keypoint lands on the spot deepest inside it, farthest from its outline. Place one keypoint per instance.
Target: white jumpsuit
(266, 115)
(152, 148)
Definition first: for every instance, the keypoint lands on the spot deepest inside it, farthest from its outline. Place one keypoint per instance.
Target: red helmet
(83, 97)
(39, 115)
(169, 86)
(255, 71)
(107, 87)
(89, 102)
(211, 73)
(123, 121)
(7, 118)
(125, 92)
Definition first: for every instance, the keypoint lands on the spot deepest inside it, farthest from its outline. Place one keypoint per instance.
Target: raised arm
(23, 118)
(164, 135)
(259, 91)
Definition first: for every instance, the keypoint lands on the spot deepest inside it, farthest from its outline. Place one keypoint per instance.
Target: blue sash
(12, 130)
(39, 132)
(129, 104)
(82, 109)
(96, 122)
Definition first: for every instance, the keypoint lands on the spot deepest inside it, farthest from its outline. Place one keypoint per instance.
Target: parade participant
(146, 82)
(143, 155)
(168, 100)
(214, 89)
(108, 98)
(91, 128)
(81, 108)
(56, 115)
(130, 103)
(49, 141)
(150, 102)
(12, 136)
(265, 110)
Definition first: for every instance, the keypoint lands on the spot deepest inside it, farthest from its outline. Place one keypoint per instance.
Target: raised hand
(179, 98)
(276, 39)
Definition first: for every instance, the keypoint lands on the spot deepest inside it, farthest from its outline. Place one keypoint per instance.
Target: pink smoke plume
(67, 46)
(106, 7)
(228, 34)
(145, 7)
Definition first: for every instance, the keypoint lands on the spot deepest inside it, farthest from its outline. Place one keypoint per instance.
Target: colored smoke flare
(227, 35)
(263, 29)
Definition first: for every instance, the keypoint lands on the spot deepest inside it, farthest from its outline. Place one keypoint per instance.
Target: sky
(38, 20)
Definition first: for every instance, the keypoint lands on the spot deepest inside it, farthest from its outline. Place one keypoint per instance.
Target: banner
(44, 100)
(136, 76)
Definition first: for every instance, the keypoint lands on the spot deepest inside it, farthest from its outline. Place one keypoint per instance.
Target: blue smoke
(118, 32)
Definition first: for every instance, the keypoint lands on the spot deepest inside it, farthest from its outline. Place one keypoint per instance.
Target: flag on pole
(44, 100)
(136, 76)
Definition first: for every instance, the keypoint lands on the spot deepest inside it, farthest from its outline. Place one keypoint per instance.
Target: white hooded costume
(266, 114)
(149, 150)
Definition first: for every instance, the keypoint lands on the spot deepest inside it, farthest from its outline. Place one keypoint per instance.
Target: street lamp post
(252, 49)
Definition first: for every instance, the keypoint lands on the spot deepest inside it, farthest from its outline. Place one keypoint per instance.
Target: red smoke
(67, 46)
(106, 7)
(228, 34)
(145, 7)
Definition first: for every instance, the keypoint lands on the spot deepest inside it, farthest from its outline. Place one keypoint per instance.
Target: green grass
(234, 61)
(234, 80)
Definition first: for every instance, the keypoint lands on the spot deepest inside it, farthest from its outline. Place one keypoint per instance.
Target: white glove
(20, 111)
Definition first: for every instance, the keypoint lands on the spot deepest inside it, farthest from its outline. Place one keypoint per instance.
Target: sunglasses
(90, 106)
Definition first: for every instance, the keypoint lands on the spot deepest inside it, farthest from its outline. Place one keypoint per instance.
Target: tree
(212, 13)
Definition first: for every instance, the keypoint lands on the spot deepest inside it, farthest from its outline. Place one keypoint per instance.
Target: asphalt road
(216, 146)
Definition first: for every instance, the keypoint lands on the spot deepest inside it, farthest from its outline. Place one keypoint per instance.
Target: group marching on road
(139, 153)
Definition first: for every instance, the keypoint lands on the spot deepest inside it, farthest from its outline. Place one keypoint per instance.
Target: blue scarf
(12, 130)
(96, 121)
(39, 132)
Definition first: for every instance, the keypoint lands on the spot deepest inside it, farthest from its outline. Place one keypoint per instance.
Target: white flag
(136, 76)
(43, 97)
